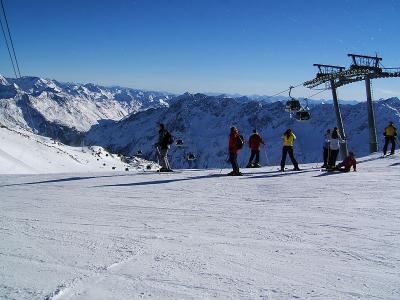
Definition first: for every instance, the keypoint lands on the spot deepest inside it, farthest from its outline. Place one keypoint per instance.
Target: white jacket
(334, 144)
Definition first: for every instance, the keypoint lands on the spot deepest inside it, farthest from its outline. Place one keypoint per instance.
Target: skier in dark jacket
(255, 142)
(234, 151)
(326, 149)
(162, 146)
(390, 134)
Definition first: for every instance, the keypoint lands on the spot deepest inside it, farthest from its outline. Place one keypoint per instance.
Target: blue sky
(231, 46)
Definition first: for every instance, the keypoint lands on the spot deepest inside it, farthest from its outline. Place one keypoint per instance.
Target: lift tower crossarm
(365, 62)
(328, 69)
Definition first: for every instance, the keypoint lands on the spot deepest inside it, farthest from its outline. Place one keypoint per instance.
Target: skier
(288, 139)
(164, 142)
(334, 145)
(235, 144)
(390, 134)
(347, 163)
(255, 142)
(325, 147)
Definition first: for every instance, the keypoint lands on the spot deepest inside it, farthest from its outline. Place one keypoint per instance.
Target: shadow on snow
(60, 180)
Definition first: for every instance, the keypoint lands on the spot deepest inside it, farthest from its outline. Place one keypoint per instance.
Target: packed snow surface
(197, 234)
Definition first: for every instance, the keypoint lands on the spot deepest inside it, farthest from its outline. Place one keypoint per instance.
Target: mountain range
(203, 123)
(124, 120)
(66, 110)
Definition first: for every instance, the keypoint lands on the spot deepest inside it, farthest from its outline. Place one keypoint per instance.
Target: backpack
(240, 142)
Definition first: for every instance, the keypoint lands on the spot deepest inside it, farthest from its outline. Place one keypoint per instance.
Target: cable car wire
(8, 48)
(9, 35)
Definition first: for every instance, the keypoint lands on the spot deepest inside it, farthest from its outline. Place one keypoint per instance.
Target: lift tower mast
(363, 68)
(370, 64)
(327, 70)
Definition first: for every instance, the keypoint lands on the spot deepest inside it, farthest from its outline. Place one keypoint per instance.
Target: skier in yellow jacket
(288, 139)
(390, 134)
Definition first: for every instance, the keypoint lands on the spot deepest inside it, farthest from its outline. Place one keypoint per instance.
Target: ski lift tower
(328, 74)
(363, 68)
(370, 65)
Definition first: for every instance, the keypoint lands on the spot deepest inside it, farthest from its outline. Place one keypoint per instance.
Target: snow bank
(23, 152)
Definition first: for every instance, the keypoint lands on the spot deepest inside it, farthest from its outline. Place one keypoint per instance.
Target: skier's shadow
(155, 182)
(76, 178)
(274, 174)
(328, 173)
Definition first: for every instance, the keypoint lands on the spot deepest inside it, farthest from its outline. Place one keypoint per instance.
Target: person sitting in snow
(347, 163)
(255, 142)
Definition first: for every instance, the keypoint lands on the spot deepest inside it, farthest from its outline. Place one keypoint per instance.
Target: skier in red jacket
(255, 142)
(347, 163)
(234, 151)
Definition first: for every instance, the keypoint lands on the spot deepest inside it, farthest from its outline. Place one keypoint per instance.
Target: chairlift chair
(191, 157)
(292, 105)
(302, 115)
(179, 143)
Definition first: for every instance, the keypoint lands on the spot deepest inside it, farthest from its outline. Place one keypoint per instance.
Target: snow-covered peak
(72, 105)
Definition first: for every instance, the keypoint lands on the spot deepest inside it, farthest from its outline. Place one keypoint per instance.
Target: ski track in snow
(197, 234)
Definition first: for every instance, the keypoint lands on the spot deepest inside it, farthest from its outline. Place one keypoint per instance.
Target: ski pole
(329, 158)
(158, 154)
(222, 164)
(266, 157)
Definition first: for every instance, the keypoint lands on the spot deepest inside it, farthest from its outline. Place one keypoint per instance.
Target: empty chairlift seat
(302, 115)
(191, 157)
(292, 105)
(179, 143)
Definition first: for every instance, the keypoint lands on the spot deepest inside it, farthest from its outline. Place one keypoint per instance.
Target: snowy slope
(22, 152)
(197, 235)
(33, 103)
(203, 123)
